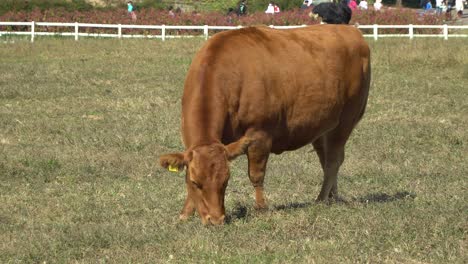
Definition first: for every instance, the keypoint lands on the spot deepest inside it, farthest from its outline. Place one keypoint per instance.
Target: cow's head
(207, 175)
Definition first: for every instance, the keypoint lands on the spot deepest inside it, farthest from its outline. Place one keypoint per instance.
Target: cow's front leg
(187, 210)
(257, 154)
(189, 206)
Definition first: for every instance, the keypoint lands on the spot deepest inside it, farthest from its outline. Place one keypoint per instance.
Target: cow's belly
(292, 138)
(305, 122)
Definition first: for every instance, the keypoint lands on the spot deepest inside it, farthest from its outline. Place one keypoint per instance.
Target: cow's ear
(173, 161)
(238, 148)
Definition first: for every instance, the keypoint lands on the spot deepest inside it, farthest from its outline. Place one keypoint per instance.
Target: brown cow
(258, 91)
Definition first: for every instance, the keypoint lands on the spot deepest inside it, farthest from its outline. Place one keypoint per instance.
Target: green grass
(82, 125)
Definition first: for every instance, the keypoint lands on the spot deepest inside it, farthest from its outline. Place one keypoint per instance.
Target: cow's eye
(196, 184)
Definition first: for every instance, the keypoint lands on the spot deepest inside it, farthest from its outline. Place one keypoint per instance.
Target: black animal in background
(333, 13)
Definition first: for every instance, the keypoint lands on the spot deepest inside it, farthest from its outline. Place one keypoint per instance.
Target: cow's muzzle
(213, 220)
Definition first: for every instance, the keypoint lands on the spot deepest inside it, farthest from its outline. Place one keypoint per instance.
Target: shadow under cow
(241, 212)
(385, 198)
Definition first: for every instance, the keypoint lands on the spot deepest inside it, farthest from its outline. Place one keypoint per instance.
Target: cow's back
(293, 84)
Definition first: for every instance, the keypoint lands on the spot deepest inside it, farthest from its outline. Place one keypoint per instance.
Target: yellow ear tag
(173, 168)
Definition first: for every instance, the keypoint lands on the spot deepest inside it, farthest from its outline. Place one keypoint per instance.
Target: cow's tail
(366, 76)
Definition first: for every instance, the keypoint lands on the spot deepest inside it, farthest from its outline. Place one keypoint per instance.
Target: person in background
(171, 11)
(276, 8)
(230, 11)
(450, 6)
(131, 10)
(428, 6)
(443, 6)
(363, 5)
(438, 7)
(378, 5)
(305, 5)
(270, 9)
(242, 9)
(459, 7)
(352, 4)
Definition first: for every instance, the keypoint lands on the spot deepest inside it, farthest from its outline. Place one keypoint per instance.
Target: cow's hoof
(323, 200)
(261, 207)
(332, 200)
(183, 217)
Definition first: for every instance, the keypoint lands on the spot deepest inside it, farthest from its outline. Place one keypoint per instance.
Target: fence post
(205, 31)
(445, 31)
(410, 28)
(76, 30)
(163, 33)
(376, 31)
(119, 30)
(33, 25)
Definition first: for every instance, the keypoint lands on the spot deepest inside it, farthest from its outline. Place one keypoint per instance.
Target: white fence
(446, 31)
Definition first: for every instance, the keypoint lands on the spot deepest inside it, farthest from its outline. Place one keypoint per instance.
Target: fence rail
(446, 30)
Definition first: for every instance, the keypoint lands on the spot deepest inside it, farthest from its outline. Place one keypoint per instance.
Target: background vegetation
(188, 5)
(155, 12)
(152, 16)
(29, 5)
(82, 125)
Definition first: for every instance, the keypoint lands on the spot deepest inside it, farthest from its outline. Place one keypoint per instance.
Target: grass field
(82, 125)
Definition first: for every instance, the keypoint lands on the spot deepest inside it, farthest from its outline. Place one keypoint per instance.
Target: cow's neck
(204, 115)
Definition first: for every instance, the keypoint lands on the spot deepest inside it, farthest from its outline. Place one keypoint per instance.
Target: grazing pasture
(82, 125)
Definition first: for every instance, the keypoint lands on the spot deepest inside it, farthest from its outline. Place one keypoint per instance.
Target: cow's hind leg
(258, 154)
(330, 147)
(331, 155)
